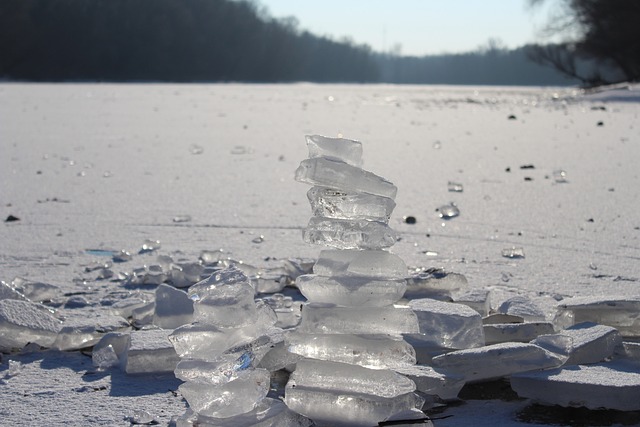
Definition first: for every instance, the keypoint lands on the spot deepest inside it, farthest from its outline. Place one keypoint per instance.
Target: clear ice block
(371, 351)
(349, 234)
(329, 319)
(82, 332)
(22, 322)
(342, 149)
(324, 172)
(620, 312)
(447, 324)
(516, 332)
(343, 377)
(230, 399)
(351, 291)
(173, 307)
(341, 204)
(497, 360)
(150, 351)
(435, 283)
(379, 264)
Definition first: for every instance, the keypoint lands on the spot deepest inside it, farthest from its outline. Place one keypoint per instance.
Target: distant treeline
(218, 40)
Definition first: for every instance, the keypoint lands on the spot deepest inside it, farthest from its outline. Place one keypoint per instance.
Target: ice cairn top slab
(350, 332)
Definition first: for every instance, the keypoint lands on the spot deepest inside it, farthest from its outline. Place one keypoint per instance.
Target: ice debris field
(352, 336)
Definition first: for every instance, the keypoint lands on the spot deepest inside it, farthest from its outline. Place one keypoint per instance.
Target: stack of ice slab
(220, 353)
(350, 332)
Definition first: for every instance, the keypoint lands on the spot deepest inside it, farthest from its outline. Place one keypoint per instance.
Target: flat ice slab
(613, 385)
(82, 332)
(150, 351)
(341, 204)
(447, 324)
(328, 319)
(22, 322)
(350, 262)
(349, 234)
(351, 291)
(496, 361)
(516, 332)
(431, 382)
(620, 312)
(342, 149)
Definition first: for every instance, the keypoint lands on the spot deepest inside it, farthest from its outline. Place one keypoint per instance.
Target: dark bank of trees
(221, 40)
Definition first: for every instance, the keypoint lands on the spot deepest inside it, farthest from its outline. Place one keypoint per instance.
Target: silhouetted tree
(608, 36)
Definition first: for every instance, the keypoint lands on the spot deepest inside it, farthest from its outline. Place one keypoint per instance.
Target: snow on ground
(102, 166)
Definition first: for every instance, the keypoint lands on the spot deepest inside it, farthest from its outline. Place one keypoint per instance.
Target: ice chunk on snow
(22, 322)
(351, 291)
(431, 382)
(477, 299)
(35, 291)
(524, 307)
(324, 172)
(349, 234)
(497, 360)
(150, 351)
(345, 150)
(173, 307)
(447, 324)
(347, 409)
(329, 319)
(620, 312)
(591, 343)
(341, 204)
(82, 332)
(110, 350)
(230, 399)
(370, 351)
(343, 377)
(516, 332)
(612, 385)
(379, 264)
(7, 292)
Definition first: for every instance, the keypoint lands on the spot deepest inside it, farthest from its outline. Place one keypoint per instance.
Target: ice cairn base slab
(350, 332)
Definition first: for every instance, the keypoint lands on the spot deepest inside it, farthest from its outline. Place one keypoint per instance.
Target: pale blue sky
(419, 26)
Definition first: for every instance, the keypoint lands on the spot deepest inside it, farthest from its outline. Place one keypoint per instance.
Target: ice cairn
(350, 332)
(221, 351)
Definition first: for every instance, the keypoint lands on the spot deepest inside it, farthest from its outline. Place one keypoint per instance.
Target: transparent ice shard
(105, 357)
(513, 252)
(329, 319)
(431, 382)
(477, 299)
(524, 307)
(448, 211)
(173, 307)
(591, 343)
(341, 204)
(22, 322)
(35, 291)
(230, 399)
(150, 351)
(455, 187)
(343, 377)
(447, 324)
(324, 172)
(351, 291)
(437, 284)
(620, 312)
(349, 234)
(82, 332)
(342, 149)
(516, 332)
(371, 351)
(378, 264)
(496, 361)
(612, 385)
(8, 292)
(110, 345)
(347, 409)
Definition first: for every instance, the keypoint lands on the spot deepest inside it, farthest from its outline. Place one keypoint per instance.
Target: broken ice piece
(85, 331)
(591, 343)
(173, 307)
(105, 357)
(347, 409)
(349, 234)
(224, 299)
(150, 351)
(431, 382)
(516, 332)
(477, 299)
(524, 307)
(447, 324)
(7, 292)
(513, 252)
(345, 150)
(560, 176)
(435, 283)
(336, 174)
(150, 246)
(342, 377)
(612, 385)
(35, 291)
(334, 203)
(113, 344)
(454, 187)
(620, 312)
(22, 322)
(371, 351)
(351, 291)
(329, 319)
(448, 211)
(227, 400)
(122, 256)
(378, 264)
(497, 360)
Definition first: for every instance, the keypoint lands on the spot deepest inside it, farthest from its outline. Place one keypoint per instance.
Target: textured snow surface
(93, 169)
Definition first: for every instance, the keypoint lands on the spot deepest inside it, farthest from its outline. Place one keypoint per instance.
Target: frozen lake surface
(545, 180)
